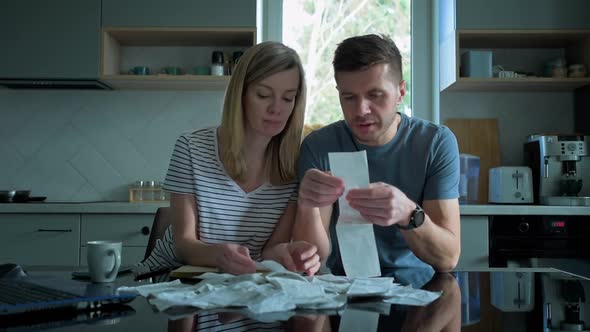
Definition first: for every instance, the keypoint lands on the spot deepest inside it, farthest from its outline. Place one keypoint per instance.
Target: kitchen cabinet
(474, 244)
(522, 35)
(521, 14)
(59, 239)
(187, 48)
(177, 33)
(40, 239)
(57, 39)
(525, 50)
(131, 229)
(179, 13)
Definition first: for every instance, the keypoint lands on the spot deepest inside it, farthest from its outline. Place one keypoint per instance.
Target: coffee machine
(564, 303)
(561, 168)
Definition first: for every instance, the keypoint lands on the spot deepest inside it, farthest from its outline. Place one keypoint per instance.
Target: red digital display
(559, 224)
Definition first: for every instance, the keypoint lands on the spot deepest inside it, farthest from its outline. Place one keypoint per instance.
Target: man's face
(369, 101)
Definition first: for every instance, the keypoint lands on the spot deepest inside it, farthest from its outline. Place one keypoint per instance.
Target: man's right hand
(234, 259)
(319, 189)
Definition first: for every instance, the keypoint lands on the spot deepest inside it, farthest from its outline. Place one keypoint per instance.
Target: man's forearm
(309, 227)
(434, 245)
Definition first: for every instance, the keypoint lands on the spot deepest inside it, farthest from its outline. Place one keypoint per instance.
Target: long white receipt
(356, 239)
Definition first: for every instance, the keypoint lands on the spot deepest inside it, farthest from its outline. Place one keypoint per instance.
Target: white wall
(519, 114)
(90, 145)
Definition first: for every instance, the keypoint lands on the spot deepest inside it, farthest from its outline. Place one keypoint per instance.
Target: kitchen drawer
(40, 239)
(131, 229)
(129, 255)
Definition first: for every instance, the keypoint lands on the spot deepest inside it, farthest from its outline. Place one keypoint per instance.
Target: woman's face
(269, 103)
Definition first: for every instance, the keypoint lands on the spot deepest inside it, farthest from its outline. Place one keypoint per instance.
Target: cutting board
(478, 137)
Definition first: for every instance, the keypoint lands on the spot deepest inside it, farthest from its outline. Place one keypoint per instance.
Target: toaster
(510, 185)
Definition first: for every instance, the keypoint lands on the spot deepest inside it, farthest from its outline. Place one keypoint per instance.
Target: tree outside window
(315, 27)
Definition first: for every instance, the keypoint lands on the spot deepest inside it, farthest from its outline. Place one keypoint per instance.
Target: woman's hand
(234, 259)
(298, 256)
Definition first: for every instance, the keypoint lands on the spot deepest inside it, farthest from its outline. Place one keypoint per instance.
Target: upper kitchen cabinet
(168, 45)
(170, 58)
(514, 45)
(58, 39)
(522, 14)
(179, 13)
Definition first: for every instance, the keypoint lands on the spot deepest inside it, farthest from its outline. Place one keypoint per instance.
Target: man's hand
(299, 256)
(319, 189)
(382, 204)
(234, 259)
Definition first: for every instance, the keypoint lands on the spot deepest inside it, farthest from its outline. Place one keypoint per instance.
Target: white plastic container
(469, 180)
(477, 64)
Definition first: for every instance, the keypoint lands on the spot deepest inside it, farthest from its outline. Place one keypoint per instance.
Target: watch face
(418, 217)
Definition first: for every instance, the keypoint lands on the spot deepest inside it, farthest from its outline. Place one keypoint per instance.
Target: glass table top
(516, 300)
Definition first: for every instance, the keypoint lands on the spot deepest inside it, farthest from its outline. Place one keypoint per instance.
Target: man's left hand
(382, 204)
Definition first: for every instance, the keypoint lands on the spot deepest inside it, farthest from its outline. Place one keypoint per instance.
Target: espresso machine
(561, 168)
(564, 303)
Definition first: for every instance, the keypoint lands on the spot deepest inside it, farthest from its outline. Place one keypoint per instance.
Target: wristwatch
(416, 219)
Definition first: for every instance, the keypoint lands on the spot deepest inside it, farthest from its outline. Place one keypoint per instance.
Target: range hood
(54, 84)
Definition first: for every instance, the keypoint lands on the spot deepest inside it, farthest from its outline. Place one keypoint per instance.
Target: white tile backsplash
(90, 145)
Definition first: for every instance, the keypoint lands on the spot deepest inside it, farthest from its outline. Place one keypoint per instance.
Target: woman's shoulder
(198, 136)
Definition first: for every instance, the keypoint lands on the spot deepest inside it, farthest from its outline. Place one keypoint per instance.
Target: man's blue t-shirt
(422, 160)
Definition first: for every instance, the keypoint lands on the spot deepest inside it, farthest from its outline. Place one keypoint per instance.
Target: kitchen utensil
(511, 185)
(21, 196)
(6, 196)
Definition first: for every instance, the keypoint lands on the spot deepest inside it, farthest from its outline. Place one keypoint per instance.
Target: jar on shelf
(162, 195)
(136, 191)
(217, 63)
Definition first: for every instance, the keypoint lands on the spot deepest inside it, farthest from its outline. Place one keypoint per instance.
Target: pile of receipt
(262, 293)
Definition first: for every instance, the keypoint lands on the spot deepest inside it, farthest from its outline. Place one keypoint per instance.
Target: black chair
(162, 220)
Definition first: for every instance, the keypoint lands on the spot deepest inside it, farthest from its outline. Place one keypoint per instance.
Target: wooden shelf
(166, 82)
(156, 48)
(523, 50)
(518, 84)
(521, 38)
(239, 37)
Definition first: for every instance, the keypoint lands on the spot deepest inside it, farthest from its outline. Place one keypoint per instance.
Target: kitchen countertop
(82, 207)
(503, 209)
(126, 207)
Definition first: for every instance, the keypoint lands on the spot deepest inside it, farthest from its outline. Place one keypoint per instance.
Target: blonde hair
(257, 63)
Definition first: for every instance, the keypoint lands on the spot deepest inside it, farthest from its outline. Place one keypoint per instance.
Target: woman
(233, 188)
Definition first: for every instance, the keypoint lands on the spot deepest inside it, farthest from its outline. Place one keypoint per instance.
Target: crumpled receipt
(261, 293)
(356, 239)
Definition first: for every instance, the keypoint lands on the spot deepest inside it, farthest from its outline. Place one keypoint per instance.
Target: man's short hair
(361, 52)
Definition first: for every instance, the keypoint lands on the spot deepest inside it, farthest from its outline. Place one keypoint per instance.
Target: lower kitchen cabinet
(40, 239)
(474, 244)
(131, 229)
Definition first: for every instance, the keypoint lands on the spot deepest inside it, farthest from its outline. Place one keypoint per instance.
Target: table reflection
(444, 314)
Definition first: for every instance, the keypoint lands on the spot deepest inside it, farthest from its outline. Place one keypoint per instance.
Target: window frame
(424, 53)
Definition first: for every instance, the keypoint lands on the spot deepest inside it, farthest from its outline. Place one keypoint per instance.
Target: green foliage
(314, 29)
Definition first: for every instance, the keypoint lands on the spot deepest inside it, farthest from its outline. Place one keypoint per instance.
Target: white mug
(104, 260)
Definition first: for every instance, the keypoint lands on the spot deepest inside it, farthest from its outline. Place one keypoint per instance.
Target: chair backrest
(162, 220)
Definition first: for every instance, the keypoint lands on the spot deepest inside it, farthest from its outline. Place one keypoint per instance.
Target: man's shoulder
(327, 134)
(426, 129)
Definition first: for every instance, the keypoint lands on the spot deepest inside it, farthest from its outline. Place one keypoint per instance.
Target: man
(413, 167)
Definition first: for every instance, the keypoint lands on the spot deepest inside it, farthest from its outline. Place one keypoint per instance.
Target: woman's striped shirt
(226, 213)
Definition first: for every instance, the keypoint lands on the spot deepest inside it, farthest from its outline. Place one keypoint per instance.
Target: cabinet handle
(145, 230)
(54, 230)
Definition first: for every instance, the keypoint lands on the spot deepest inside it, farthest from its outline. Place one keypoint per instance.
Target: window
(314, 28)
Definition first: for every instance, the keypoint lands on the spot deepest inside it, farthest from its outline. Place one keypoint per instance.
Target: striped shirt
(226, 214)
